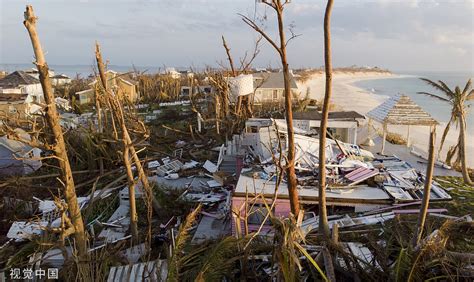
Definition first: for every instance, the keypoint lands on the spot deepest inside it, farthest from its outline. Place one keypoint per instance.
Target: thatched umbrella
(400, 110)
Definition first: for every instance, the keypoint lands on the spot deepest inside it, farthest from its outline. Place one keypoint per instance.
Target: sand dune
(349, 97)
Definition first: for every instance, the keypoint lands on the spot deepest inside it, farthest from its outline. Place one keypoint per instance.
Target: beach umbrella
(400, 110)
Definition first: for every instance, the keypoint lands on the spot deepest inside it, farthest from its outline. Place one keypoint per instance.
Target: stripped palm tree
(458, 100)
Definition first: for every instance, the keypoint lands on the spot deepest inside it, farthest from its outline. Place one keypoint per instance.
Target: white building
(173, 73)
(19, 82)
(60, 79)
(270, 86)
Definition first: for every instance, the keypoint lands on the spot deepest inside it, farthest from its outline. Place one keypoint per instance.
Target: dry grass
(393, 138)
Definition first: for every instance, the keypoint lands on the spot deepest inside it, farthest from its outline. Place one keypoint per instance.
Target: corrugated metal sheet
(148, 271)
(401, 110)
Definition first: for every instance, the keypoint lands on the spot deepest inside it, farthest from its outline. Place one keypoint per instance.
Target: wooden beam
(384, 138)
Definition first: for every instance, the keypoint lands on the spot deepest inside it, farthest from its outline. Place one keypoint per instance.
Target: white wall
(33, 90)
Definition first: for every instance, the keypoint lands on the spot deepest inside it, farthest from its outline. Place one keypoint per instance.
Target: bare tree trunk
(281, 49)
(126, 155)
(127, 141)
(462, 150)
(131, 194)
(99, 126)
(426, 191)
(323, 218)
(59, 147)
(292, 184)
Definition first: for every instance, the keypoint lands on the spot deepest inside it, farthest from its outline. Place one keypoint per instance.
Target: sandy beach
(346, 96)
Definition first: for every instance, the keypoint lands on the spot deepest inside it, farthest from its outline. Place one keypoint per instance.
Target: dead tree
(229, 57)
(278, 7)
(58, 147)
(118, 113)
(323, 218)
(99, 124)
(427, 189)
(245, 64)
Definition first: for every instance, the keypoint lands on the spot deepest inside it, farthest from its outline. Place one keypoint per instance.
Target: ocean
(409, 84)
(81, 70)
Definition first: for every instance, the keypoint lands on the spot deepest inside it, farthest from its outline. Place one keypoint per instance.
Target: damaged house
(19, 82)
(17, 158)
(358, 181)
(270, 86)
(123, 84)
(342, 125)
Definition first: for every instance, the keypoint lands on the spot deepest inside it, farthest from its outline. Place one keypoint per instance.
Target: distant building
(173, 73)
(186, 91)
(270, 86)
(123, 85)
(35, 73)
(19, 82)
(186, 73)
(85, 96)
(60, 79)
(17, 158)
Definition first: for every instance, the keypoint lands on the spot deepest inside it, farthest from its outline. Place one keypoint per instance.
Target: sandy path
(349, 97)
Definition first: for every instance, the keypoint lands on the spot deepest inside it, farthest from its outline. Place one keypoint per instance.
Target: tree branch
(229, 57)
(255, 27)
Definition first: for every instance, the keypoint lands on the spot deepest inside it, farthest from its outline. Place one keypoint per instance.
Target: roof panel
(16, 79)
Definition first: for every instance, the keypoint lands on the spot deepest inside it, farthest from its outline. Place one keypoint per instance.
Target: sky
(409, 35)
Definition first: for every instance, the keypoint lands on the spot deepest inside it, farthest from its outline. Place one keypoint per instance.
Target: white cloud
(181, 32)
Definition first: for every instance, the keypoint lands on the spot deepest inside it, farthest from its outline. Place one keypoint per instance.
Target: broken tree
(59, 148)
(278, 6)
(427, 190)
(323, 218)
(118, 113)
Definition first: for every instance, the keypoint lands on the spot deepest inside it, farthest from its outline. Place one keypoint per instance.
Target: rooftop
(272, 80)
(16, 79)
(16, 147)
(315, 115)
(61, 76)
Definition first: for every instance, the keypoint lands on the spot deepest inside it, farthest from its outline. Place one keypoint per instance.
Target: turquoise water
(409, 84)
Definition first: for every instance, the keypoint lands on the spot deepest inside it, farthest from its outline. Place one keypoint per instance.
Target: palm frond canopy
(466, 88)
(470, 96)
(440, 86)
(434, 96)
(401, 110)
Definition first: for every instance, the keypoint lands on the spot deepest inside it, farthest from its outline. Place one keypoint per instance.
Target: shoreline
(347, 96)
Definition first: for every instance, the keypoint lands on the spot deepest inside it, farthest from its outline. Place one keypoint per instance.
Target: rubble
(22, 230)
(149, 271)
(364, 191)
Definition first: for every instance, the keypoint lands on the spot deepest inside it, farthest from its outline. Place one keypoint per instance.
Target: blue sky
(399, 35)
